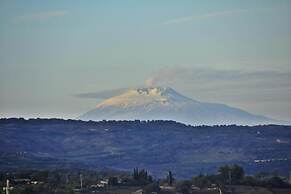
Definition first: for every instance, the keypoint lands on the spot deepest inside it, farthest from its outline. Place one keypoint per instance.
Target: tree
(231, 174)
(141, 177)
(170, 178)
(224, 173)
(135, 174)
(201, 181)
(237, 174)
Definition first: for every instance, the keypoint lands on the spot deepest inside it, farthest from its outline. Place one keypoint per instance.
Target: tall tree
(170, 178)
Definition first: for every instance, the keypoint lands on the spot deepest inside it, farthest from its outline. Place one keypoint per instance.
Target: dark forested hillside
(158, 146)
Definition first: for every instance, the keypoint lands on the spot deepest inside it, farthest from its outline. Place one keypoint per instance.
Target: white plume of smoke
(149, 82)
(167, 76)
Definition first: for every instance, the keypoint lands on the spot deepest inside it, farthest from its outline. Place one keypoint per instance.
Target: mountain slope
(164, 103)
(158, 146)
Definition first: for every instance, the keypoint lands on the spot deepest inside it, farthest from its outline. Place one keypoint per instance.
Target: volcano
(164, 103)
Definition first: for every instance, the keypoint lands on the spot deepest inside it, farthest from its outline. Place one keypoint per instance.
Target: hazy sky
(233, 52)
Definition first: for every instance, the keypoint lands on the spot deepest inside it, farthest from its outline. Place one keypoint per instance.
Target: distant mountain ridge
(164, 103)
(158, 146)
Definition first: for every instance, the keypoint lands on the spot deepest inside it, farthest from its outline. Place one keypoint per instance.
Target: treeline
(124, 122)
(65, 181)
(234, 175)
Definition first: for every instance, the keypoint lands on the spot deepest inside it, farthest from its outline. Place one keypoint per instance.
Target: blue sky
(52, 50)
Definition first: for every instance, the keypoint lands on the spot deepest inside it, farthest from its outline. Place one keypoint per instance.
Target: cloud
(213, 79)
(261, 91)
(102, 94)
(206, 16)
(241, 87)
(220, 14)
(39, 16)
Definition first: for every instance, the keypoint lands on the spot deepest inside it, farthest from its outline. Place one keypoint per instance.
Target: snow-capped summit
(144, 97)
(164, 103)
